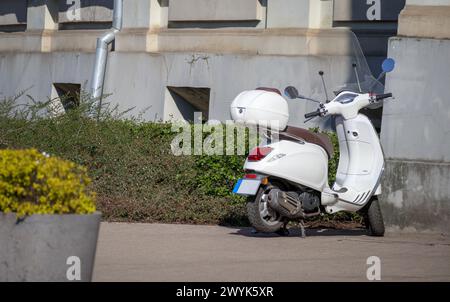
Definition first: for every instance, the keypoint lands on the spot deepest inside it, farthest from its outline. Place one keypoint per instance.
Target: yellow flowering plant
(35, 183)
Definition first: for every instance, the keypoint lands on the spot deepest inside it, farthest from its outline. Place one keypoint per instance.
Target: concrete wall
(217, 13)
(299, 14)
(287, 14)
(214, 10)
(155, 57)
(148, 75)
(415, 131)
(145, 15)
(37, 72)
(42, 15)
(421, 111)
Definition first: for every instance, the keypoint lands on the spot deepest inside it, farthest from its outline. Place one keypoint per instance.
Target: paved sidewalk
(161, 252)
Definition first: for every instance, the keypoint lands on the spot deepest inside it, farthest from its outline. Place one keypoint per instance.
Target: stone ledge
(285, 42)
(425, 21)
(50, 41)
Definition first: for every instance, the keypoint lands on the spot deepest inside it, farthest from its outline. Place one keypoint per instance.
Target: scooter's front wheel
(261, 216)
(374, 219)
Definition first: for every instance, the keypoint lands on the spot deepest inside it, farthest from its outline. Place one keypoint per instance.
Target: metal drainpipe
(101, 55)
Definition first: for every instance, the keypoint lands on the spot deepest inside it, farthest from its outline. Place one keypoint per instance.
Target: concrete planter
(41, 247)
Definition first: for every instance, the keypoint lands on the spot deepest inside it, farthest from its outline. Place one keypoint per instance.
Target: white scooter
(288, 179)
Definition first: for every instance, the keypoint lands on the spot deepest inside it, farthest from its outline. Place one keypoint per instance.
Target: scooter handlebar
(383, 96)
(312, 114)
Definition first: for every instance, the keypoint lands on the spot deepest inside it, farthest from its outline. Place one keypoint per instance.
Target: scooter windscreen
(335, 58)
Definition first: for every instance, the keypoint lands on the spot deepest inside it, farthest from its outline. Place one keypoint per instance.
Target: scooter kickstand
(302, 229)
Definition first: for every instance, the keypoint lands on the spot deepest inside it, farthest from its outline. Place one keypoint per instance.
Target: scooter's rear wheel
(261, 216)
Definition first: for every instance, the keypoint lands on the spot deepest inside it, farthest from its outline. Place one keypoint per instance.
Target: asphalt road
(161, 252)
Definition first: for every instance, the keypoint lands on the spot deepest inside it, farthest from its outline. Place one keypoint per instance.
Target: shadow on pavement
(296, 232)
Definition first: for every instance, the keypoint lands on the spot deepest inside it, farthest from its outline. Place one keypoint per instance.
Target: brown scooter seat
(269, 89)
(294, 133)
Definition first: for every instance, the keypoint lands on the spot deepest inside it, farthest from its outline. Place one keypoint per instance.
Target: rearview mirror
(388, 65)
(291, 92)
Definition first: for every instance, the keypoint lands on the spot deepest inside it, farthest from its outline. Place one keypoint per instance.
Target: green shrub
(130, 162)
(333, 162)
(33, 183)
(217, 174)
(133, 171)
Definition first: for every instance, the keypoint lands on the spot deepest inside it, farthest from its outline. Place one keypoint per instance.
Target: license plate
(246, 186)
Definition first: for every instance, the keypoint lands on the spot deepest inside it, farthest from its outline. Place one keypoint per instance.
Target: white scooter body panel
(361, 163)
(299, 162)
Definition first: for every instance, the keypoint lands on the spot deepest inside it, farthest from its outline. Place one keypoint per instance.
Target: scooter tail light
(259, 153)
(250, 176)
